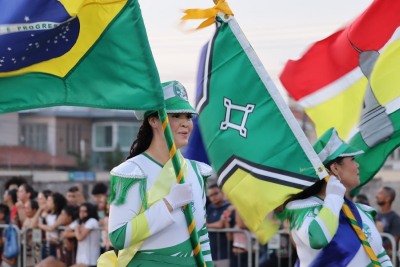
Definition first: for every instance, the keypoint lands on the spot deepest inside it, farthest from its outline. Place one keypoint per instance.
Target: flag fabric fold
(349, 81)
(252, 139)
(81, 53)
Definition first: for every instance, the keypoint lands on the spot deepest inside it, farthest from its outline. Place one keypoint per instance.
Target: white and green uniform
(314, 223)
(138, 217)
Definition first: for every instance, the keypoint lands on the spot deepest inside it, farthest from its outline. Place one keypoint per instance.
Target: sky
(278, 31)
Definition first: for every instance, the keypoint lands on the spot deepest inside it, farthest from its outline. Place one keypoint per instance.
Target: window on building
(34, 135)
(107, 136)
(126, 135)
(103, 137)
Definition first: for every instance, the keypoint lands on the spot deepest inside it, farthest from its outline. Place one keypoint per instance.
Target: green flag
(251, 137)
(91, 53)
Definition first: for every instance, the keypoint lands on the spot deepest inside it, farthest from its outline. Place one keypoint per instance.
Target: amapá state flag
(252, 139)
(350, 81)
(79, 53)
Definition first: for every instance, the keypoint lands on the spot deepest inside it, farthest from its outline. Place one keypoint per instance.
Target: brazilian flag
(91, 53)
(252, 139)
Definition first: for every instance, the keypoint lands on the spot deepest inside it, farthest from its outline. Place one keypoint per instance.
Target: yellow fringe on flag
(208, 14)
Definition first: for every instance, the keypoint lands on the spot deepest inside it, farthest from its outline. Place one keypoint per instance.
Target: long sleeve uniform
(161, 231)
(314, 222)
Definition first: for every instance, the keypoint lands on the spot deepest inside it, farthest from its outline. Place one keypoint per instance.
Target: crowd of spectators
(72, 229)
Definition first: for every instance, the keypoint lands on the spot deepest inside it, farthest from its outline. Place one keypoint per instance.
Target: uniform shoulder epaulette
(205, 169)
(368, 209)
(129, 169)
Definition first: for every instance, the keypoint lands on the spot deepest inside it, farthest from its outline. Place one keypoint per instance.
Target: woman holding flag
(322, 229)
(146, 222)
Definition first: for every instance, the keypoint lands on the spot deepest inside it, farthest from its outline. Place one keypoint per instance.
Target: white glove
(335, 187)
(180, 195)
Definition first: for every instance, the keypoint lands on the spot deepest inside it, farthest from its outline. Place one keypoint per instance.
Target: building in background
(66, 138)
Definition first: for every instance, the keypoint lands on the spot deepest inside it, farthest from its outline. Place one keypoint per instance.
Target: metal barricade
(392, 241)
(282, 247)
(31, 241)
(252, 246)
(4, 226)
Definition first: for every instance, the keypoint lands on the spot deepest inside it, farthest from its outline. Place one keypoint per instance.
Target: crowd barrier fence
(33, 238)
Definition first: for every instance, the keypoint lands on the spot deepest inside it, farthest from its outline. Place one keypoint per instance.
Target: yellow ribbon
(208, 14)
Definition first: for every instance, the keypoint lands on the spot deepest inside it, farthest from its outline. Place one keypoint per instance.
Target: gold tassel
(208, 14)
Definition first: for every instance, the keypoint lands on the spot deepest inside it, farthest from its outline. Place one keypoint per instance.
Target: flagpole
(194, 238)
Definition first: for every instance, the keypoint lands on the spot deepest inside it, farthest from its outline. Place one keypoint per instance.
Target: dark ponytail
(316, 187)
(143, 139)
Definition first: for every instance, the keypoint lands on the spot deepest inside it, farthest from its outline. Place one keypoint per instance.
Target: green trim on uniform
(183, 249)
(296, 216)
(153, 160)
(199, 177)
(119, 187)
(157, 260)
(316, 236)
(119, 243)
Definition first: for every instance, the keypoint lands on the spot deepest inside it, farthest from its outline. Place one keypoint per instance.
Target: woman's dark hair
(99, 188)
(59, 202)
(17, 180)
(13, 194)
(316, 187)
(29, 189)
(71, 211)
(6, 211)
(46, 193)
(144, 137)
(91, 212)
(34, 204)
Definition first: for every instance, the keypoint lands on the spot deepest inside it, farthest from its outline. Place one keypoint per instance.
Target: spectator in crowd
(24, 194)
(99, 195)
(80, 198)
(216, 220)
(389, 219)
(67, 218)
(10, 199)
(14, 182)
(55, 204)
(31, 221)
(72, 193)
(88, 236)
(4, 219)
(99, 190)
(240, 253)
(362, 199)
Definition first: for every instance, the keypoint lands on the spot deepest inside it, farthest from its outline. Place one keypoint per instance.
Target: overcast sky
(278, 30)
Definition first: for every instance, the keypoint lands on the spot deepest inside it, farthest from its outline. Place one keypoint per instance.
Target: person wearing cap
(320, 230)
(146, 222)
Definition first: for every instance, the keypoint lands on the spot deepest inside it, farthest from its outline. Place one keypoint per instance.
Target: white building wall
(9, 135)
